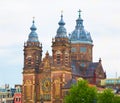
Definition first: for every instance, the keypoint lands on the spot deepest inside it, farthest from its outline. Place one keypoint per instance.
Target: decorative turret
(79, 35)
(61, 31)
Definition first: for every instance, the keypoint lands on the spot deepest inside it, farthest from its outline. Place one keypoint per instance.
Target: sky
(101, 19)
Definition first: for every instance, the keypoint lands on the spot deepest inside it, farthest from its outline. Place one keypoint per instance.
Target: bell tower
(61, 46)
(61, 70)
(32, 60)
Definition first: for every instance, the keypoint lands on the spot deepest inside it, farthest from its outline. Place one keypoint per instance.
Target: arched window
(66, 59)
(58, 57)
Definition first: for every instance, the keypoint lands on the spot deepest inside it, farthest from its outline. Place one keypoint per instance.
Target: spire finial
(100, 60)
(79, 13)
(33, 27)
(61, 12)
(61, 22)
(33, 19)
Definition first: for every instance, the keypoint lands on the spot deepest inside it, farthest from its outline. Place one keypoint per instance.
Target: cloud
(101, 19)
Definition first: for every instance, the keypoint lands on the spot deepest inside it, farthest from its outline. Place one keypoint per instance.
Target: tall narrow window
(29, 61)
(66, 59)
(37, 60)
(58, 59)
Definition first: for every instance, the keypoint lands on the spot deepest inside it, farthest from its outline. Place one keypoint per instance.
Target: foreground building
(18, 94)
(49, 79)
(6, 94)
(113, 83)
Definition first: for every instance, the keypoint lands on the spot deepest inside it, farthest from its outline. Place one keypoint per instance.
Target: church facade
(48, 79)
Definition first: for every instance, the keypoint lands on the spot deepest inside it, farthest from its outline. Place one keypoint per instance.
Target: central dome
(80, 35)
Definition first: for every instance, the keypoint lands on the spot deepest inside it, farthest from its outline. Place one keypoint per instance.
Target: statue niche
(57, 87)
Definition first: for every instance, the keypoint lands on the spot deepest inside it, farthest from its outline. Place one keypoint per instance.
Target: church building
(48, 79)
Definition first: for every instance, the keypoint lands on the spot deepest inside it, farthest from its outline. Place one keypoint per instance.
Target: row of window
(59, 59)
(112, 81)
(5, 95)
(17, 99)
(82, 49)
(30, 62)
(46, 97)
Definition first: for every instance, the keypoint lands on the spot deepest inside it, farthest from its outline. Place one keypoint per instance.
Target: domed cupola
(61, 31)
(33, 37)
(80, 35)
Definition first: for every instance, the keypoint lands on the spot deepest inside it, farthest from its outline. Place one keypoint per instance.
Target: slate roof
(88, 72)
(69, 83)
(77, 71)
(91, 69)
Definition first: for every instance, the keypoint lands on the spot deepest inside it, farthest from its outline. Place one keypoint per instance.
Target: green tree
(107, 96)
(116, 99)
(81, 92)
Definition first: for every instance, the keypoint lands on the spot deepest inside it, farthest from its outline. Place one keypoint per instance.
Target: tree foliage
(81, 92)
(116, 99)
(106, 97)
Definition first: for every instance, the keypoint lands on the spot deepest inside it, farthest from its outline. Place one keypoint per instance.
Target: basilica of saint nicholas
(48, 79)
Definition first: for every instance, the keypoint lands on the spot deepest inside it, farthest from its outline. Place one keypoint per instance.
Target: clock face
(46, 84)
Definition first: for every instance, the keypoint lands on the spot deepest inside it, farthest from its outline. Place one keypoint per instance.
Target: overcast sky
(101, 19)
